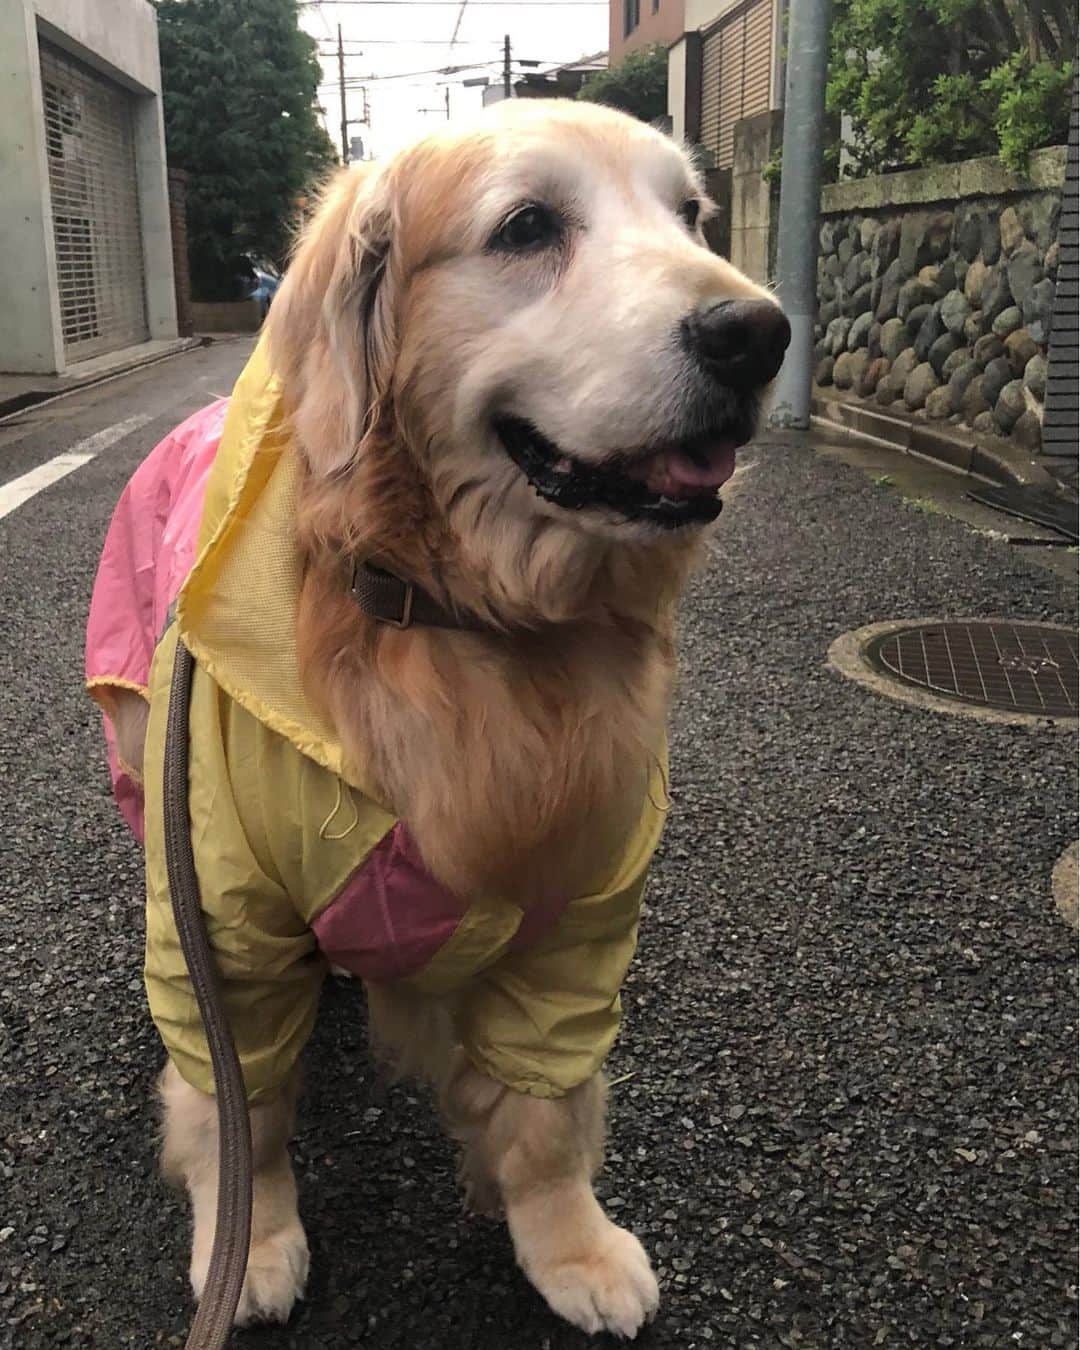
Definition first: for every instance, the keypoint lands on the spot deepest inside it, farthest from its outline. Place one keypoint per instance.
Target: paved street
(846, 1113)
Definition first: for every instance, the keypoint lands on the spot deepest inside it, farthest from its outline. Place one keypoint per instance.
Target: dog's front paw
(277, 1272)
(611, 1287)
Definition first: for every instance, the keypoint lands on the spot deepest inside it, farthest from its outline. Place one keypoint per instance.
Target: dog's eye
(689, 211)
(528, 228)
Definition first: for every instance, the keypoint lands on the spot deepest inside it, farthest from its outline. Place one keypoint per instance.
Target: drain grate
(1014, 667)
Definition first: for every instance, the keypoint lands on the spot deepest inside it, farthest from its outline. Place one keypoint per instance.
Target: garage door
(90, 144)
(736, 70)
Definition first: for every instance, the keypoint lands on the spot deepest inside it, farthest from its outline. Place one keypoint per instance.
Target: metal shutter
(1061, 420)
(736, 71)
(90, 145)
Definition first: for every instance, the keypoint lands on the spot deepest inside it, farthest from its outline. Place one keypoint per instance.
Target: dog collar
(390, 599)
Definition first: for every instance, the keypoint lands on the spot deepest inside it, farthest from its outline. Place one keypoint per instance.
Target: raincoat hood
(236, 611)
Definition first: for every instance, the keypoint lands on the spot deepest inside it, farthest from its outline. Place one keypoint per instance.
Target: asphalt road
(847, 1108)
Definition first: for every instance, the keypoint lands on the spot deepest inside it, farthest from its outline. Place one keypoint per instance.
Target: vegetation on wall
(240, 86)
(934, 81)
(637, 85)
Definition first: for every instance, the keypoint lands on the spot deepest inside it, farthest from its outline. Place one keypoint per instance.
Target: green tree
(931, 81)
(240, 85)
(637, 85)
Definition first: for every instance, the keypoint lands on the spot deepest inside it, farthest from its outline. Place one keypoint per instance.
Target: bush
(637, 85)
(933, 81)
(1032, 108)
(240, 84)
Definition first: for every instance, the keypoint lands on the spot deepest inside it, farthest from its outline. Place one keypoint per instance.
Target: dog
(427, 558)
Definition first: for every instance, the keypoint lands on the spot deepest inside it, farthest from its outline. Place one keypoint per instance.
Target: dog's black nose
(740, 342)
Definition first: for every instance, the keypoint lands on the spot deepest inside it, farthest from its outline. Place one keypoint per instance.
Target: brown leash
(232, 1229)
(388, 599)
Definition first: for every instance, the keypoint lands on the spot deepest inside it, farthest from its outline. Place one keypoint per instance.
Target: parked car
(259, 279)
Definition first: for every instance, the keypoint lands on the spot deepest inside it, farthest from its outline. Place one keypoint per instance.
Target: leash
(232, 1228)
(387, 599)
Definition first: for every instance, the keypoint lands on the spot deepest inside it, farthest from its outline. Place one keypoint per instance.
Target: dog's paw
(277, 1272)
(611, 1289)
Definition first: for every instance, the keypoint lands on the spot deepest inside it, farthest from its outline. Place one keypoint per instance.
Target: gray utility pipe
(800, 200)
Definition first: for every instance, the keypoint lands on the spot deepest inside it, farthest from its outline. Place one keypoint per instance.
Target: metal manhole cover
(1027, 668)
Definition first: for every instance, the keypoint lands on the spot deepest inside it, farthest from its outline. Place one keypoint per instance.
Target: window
(632, 16)
(656, 6)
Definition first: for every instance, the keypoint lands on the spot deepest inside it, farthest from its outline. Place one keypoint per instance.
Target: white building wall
(676, 88)
(118, 38)
(29, 306)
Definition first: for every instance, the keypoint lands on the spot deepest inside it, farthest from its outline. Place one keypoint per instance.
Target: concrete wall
(226, 316)
(936, 289)
(29, 308)
(676, 88)
(118, 38)
(664, 24)
(702, 13)
(754, 202)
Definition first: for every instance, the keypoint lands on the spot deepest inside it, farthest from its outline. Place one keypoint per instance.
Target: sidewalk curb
(968, 453)
(17, 403)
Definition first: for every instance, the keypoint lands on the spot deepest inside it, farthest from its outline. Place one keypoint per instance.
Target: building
(87, 266)
(725, 95)
(633, 24)
(725, 67)
(556, 82)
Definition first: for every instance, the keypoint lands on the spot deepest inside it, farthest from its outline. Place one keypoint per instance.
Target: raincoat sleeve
(270, 968)
(542, 1019)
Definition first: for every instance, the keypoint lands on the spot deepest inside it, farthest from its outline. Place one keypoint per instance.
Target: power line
(408, 74)
(410, 42)
(354, 81)
(494, 4)
(457, 26)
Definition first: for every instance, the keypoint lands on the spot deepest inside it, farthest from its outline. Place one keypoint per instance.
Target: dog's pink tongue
(676, 473)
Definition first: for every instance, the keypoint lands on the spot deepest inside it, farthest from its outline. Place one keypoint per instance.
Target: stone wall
(181, 272)
(935, 290)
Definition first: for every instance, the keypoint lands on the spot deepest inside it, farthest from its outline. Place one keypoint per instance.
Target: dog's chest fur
(519, 765)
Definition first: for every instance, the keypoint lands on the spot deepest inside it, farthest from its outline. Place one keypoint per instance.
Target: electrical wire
(410, 42)
(457, 26)
(493, 4)
(408, 74)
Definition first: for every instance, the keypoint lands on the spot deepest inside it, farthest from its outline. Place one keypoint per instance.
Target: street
(843, 1111)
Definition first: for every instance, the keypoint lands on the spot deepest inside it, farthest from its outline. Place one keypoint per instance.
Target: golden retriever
(517, 377)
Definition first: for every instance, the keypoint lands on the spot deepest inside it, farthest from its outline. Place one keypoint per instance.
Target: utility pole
(446, 105)
(800, 205)
(341, 87)
(507, 91)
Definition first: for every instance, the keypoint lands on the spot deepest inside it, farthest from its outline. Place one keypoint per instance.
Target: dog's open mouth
(673, 485)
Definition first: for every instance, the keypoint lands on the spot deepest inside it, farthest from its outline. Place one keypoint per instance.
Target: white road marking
(27, 485)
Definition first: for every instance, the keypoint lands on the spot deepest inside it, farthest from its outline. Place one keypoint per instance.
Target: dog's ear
(331, 328)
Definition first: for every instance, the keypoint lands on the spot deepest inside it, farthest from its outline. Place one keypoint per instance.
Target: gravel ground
(847, 1113)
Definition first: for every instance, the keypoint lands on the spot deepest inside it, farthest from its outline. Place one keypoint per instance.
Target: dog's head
(528, 309)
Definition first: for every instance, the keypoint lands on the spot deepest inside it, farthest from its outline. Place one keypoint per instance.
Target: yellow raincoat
(298, 861)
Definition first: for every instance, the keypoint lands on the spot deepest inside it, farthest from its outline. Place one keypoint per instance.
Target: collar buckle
(405, 618)
(384, 597)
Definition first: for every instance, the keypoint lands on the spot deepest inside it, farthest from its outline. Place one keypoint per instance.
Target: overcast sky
(412, 37)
